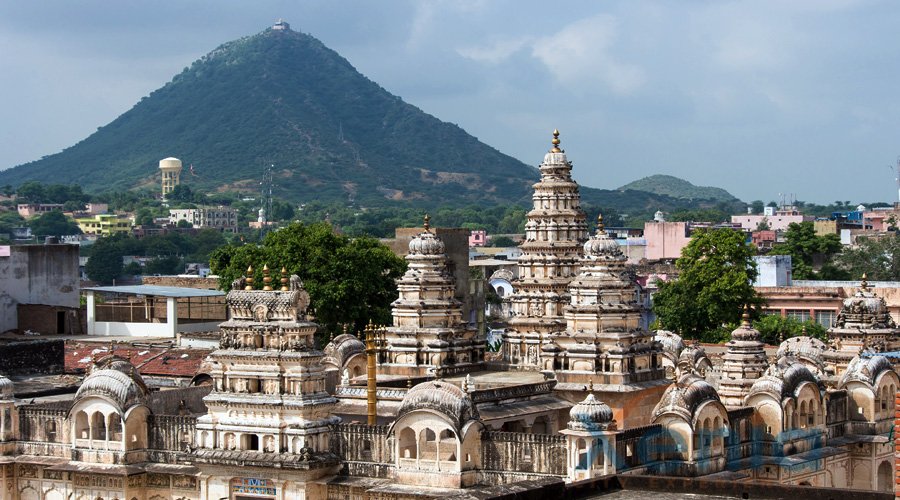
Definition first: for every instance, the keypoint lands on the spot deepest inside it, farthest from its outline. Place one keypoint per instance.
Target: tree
(164, 265)
(53, 223)
(757, 206)
(805, 246)
(774, 328)
(183, 223)
(182, 193)
(105, 262)
(877, 258)
(714, 283)
(502, 241)
(763, 225)
(348, 280)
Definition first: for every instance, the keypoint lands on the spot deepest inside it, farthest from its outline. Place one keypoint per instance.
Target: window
(797, 314)
(825, 318)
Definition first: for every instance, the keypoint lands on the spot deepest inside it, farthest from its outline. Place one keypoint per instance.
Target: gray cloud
(756, 97)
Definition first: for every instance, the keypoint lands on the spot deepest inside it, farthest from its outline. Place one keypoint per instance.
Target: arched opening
(581, 452)
(407, 444)
(115, 427)
(50, 430)
(230, 441)
(718, 436)
(98, 426)
(250, 442)
(885, 477)
(82, 429)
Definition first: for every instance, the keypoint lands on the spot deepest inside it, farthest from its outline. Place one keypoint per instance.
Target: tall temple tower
(554, 233)
(743, 363)
(171, 174)
(605, 341)
(269, 404)
(428, 336)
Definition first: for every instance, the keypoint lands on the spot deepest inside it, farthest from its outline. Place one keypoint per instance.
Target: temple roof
(442, 397)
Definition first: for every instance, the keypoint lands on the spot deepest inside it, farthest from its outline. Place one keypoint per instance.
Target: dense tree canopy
(804, 246)
(774, 328)
(53, 223)
(350, 281)
(105, 262)
(715, 281)
(878, 258)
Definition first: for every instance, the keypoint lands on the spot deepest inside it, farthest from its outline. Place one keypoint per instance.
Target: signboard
(253, 486)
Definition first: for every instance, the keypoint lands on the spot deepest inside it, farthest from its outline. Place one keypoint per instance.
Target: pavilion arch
(427, 439)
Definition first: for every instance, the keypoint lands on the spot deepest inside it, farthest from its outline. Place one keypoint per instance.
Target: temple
(581, 396)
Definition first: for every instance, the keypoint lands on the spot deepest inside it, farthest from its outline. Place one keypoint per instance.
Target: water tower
(171, 174)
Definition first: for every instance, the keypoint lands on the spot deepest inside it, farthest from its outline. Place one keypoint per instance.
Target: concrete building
(170, 170)
(773, 270)
(105, 224)
(478, 238)
(29, 210)
(777, 220)
(665, 240)
(221, 217)
(40, 275)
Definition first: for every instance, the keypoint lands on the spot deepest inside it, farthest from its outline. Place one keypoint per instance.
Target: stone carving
(345, 377)
(261, 313)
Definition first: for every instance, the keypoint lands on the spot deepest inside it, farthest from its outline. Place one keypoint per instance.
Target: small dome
(865, 370)
(782, 379)
(591, 415)
(426, 244)
(442, 397)
(672, 343)
(745, 332)
(864, 310)
(7, 388)
(602, 244)
(118, 381)
(342, 348)
(685, 397)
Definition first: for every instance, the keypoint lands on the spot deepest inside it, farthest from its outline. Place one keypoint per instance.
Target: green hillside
(678, 188)
(283, 98)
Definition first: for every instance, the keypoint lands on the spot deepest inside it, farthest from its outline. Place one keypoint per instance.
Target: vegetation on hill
(678, 188)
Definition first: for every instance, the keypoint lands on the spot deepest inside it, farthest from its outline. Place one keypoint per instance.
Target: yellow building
(105, 224)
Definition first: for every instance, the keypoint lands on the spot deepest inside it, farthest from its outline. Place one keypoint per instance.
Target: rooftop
(157, 291)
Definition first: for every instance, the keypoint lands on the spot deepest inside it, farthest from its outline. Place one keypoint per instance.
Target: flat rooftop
(157, 291)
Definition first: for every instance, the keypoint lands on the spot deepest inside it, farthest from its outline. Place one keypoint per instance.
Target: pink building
(665, 240)
(778, 220)
(478, 238)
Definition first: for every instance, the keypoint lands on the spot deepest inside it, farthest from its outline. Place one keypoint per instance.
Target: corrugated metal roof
(157, 291)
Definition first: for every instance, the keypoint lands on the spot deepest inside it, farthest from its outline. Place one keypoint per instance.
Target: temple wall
(364, 450)
(522, 455)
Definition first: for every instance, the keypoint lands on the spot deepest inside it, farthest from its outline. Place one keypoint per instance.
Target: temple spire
(427, 223)
(601, 229)
(555, 142)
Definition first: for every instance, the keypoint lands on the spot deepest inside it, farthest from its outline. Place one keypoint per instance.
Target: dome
(7, 388)
(802, 347)
(745, 332)
(602, 244)
(864, 310)
(685, 397)
(865, 370)
(442, 397)
(672, 343)
(591, 415)
(782, 379)
(170, 162)
(118, 381)
(342, 348)
(426, 243)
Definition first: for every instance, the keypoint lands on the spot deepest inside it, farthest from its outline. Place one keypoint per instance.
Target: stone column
(91, 313)
(172, 316)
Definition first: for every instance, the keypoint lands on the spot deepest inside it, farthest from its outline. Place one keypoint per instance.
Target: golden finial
(408, 382)
(427, 223)
(267, 280)
(249, 279)
(284, 279)
(864, 284)
(745, 317)
(591, 385)
(555, 142)
(600, 227)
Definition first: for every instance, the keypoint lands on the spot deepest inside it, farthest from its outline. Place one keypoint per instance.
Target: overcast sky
(759, 97)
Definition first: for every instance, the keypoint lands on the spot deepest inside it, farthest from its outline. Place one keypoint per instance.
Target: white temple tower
(743, 363)
(428, 336)
(269, 404)
(554, 233)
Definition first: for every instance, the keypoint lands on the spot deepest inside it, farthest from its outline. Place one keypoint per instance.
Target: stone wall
(37, 274)
(639, 447)
(364, 450)
(523, 455)
(207, 283)
(29, 357)
(51, 319)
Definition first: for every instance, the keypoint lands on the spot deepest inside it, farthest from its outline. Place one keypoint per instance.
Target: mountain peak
(676, 187)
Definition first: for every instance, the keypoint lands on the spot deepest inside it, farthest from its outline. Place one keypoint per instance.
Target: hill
(678, 188)
(283, 98)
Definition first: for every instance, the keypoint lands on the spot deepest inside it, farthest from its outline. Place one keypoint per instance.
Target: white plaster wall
(110, 328)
